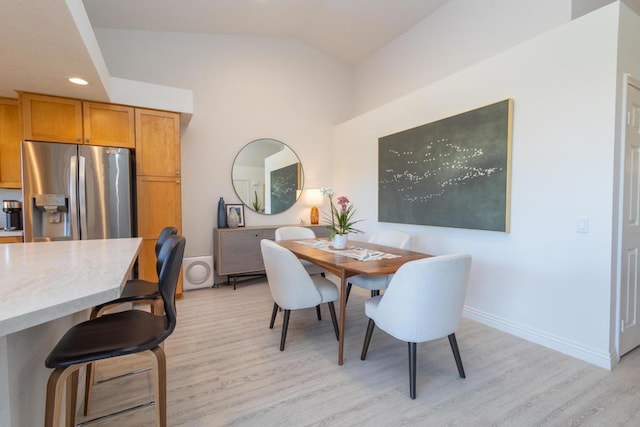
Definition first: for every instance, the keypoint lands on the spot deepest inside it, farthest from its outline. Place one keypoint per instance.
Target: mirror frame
(278, 162)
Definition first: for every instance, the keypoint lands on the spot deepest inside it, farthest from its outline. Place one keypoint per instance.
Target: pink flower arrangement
(342, 218)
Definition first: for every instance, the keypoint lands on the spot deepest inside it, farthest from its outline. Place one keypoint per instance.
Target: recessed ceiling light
(78, 81)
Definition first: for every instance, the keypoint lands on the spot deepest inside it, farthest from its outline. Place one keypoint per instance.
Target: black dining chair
(118, 334)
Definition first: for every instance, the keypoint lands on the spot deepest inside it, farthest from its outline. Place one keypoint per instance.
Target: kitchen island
(44, 289)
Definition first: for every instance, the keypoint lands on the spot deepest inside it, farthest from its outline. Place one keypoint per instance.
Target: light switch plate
(582, 224)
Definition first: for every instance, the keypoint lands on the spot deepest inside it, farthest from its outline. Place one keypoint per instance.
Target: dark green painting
(285, 183)
(454, 172)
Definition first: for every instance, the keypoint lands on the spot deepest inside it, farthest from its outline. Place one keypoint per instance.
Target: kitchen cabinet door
(10, 239)
(108, 125)
(157, 143)
(159, 206)
(50, 118)
(9, 144)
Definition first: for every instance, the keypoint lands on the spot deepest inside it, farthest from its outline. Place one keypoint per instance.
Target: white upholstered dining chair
(424, 302)
(392, 238)
(296, 232)
(293, 288)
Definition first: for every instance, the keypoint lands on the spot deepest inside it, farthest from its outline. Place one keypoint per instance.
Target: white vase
(340, 241)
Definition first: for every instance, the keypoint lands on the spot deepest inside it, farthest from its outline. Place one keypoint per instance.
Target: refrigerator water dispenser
(50, 216)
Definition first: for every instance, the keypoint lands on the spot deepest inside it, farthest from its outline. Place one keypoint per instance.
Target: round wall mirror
(267, 176)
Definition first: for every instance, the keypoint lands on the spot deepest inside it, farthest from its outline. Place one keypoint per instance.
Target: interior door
(629, 292)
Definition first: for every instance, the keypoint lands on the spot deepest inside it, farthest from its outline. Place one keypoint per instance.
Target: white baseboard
(587, 354)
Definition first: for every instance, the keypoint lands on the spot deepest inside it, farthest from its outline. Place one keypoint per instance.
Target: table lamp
(313, 198)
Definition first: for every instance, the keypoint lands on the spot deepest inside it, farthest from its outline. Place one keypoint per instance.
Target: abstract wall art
(454, 172)
(285, 186)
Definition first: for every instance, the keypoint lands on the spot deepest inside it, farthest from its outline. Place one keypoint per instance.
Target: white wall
(459, 34)
(542, 281)
(244, 88)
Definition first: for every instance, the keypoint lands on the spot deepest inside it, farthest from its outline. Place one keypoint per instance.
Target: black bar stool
(136, 291)
(114, 335)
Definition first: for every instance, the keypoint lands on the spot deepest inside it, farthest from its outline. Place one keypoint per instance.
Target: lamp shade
(313, 197)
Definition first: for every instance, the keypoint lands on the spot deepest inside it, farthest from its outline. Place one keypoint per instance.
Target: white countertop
(15, 233)
(43, 281)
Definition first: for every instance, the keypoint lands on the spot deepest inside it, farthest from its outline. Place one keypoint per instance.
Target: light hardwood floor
(225, 369)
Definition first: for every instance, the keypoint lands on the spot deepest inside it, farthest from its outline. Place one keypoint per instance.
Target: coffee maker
(13, 210)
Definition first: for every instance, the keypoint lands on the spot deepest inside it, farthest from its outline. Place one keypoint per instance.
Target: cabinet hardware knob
(177, 172)
(86, 139)
(78, 139)
(177, 181)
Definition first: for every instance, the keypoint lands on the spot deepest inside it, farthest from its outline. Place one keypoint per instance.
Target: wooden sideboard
(237, 250)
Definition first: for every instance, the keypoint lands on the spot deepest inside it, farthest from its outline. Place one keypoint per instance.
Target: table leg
(343, 315)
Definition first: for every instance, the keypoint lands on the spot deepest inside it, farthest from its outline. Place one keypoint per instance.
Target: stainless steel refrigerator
(75, 192)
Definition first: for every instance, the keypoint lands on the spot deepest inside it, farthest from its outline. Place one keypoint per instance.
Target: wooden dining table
(344, 267)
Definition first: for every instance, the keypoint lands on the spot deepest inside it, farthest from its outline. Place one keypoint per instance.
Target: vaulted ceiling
(41, 44)
(350, 30)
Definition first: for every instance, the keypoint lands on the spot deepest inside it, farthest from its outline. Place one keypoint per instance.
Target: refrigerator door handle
(73, 198)
(82, 195)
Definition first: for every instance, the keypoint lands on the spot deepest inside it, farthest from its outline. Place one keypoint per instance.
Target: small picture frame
(239, 208)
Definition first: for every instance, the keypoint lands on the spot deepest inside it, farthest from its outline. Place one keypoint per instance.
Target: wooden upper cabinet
(108, 125)
(55, 119)
(9, 144)
(157, 143)
(50, 118)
